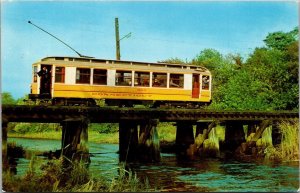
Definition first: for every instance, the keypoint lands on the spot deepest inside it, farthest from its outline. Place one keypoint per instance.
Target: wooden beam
(262, 126)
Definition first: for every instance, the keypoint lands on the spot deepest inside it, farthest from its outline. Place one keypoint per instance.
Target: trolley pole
(118, 55)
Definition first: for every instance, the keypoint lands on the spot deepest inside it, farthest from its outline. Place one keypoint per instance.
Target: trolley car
(81, 81)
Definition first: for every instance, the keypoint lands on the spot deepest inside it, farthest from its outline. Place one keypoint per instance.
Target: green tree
(244, 92)
(292, 58)
(267, 81)
(279, 63)
(223, 68)
(7, 98)
(281, 40)
(173, 61)
(209, 58)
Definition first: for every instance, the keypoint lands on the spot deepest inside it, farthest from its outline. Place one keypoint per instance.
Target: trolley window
(83, 75)
(123, 78)
(100, 77)
(34, 73)
(141, 79)
(176, 81)
(60, 74)
(205, 82)
(159, 79)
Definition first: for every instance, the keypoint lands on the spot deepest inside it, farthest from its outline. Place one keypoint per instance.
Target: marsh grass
(98, 133)
(289, 147)
(36, 135)
(288, 150)
(127, 181)
(111, 138)
(166, 131)
(94, 136)
(53, 177)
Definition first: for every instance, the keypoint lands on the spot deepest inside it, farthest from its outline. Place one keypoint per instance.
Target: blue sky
(160, 30)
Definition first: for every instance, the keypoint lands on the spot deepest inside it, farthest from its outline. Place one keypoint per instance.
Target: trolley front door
(196, 86)
(45, 79)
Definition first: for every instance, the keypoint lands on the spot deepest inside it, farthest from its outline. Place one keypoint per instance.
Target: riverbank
(94, 136)
(98, 133)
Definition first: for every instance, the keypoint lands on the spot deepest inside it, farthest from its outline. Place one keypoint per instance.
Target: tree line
(266, 80)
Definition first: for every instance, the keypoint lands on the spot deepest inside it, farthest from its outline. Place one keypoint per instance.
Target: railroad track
(57, 114)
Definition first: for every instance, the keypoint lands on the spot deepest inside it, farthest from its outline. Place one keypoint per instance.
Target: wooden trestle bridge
(137, 126)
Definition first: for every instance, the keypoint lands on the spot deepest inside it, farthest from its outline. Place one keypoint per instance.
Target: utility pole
(118, 39)
(118, 55)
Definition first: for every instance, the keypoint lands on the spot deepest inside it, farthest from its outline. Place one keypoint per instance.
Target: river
(172, 174)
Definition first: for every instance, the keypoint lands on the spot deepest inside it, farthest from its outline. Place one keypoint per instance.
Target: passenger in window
(205, 82)
(156, 82)
(129, 82)
(45, 80)
(145, 82)
(172, 84)
(136, 83)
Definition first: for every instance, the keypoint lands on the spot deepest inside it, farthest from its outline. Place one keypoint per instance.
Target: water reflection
(173, 174)
(245, 177)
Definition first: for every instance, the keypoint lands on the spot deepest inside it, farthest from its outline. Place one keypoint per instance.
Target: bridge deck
(56, 114)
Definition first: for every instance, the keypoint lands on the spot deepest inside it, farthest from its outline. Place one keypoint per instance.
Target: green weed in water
(53, 177)
(289, 147)
(288, 150)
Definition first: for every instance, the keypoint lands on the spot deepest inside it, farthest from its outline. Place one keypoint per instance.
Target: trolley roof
(125, 62)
